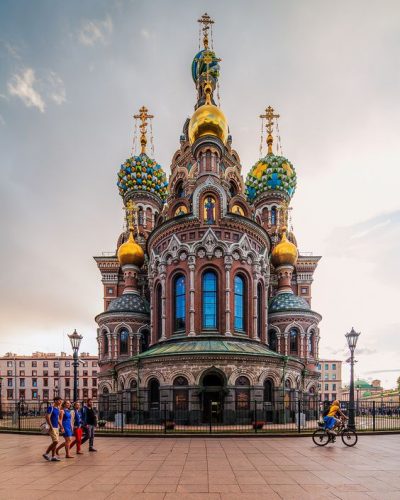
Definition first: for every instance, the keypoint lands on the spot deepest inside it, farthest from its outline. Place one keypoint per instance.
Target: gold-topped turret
(143, 116)
(130, 252)
(285, 252)
(269, 116)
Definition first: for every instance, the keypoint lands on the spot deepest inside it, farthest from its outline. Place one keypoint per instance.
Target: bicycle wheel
(349, 437)
(320, 437)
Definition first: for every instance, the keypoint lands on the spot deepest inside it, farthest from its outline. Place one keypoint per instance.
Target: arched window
(180, 394)
(209, 292)
(179, 193)
(273, 340)
(141, 216)
(179, 303)
(293, 340)
(239, 302)
(311, 344)
(105, 391)
(268, 391)
(159, 310)
(273, 216)
(105, 343)
(154, 393)
(259, 310)
(233, 189)
(123, 341)
(145, 340)
(288, 384)
(242, 393)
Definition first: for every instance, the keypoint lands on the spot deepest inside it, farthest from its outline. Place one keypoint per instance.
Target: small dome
(199, 66)
(208, 120)
(271, 173)
(130, 252)
(285, 252)
(141, 173)
(130, 302)
(287, 302)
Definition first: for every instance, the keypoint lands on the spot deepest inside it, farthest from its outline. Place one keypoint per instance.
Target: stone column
(256, 334)
(115, 345)
(151, 283)
(286, 336)
(228, 267)
(163, 276)
(192, 265)
(302, 354)
(131, 346)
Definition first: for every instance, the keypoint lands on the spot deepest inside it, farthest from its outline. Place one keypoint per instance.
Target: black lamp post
(75, 339)
(1, 403)
(352, 338)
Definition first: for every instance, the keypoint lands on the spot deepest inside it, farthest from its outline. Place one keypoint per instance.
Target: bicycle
(322, 437)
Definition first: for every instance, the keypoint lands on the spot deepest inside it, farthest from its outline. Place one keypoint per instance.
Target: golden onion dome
(285, 252)
(208, 119)
(130, 252)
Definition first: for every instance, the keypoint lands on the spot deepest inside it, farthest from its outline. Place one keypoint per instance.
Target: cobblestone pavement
(209, 468)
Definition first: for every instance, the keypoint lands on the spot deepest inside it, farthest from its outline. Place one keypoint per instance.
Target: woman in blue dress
(66, 429)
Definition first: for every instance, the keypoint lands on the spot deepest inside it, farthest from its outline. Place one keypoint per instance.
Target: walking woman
(77, 425)
(66, 418)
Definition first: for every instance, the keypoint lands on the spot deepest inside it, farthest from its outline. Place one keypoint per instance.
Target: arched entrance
(213, 396)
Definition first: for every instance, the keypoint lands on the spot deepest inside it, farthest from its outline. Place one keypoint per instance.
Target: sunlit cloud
(57, 91)
(22, 86)
(93, 32)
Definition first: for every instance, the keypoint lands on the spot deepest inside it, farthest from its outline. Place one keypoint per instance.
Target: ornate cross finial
(269, 117)
(143, 116)
(130, 209)
(206, 22)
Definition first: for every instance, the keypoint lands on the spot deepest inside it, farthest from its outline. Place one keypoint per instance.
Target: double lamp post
(75, 340)
(352, 338)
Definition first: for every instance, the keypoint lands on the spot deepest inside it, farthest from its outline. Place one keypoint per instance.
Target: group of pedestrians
(76, 425)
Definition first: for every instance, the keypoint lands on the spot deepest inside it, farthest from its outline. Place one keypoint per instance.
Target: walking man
(90, 421)
(54, 421)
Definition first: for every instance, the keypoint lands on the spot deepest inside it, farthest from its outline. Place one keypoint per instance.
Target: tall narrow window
(179, 303)
(159, 310)
(105, 343)
(210, 300)
(311, 344)
(239, 303)
(268, 391)
(294, 337)
(272, 340)
(273, 216)
(259, 310)
(141, 216)
(123, 341)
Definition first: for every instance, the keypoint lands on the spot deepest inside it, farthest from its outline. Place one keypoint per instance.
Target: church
(207, 301)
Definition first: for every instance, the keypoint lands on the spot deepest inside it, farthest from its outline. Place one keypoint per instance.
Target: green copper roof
(209, 346)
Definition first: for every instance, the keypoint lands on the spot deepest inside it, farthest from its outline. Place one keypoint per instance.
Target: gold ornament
(285, 252)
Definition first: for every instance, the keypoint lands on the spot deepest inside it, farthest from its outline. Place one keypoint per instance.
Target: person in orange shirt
(331, 419)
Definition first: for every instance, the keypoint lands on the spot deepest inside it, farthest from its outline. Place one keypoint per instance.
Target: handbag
(44, 427)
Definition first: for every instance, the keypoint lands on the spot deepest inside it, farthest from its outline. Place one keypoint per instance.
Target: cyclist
(331, 419)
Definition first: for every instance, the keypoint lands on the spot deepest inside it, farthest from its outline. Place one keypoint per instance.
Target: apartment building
(42, 376)
(330, 383)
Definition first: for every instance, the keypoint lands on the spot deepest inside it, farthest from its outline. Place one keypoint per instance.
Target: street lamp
(75, 339)
(352, 338)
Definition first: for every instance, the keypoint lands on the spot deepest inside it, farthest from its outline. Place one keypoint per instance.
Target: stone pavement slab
(204, 468)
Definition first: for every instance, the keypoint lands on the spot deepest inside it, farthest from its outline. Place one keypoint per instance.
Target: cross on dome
(143, 116)
(206, 22)
(269, 116)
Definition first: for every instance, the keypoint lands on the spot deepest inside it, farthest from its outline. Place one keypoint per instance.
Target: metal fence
(290, 416)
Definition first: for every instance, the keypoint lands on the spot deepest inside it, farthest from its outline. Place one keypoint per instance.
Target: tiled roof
(131, 302)
(288, 302)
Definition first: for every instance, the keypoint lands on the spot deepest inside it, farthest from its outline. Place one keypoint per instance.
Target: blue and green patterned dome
(199, 67)
(287, 302)
(271, 173)
(141, 173)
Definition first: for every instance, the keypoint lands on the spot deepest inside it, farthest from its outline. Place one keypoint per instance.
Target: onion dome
(285, 252)
(208, 119)
(130, 252)
(287, 301)
(200, 67)
(141, 173)
(271, 173)
(131, 302)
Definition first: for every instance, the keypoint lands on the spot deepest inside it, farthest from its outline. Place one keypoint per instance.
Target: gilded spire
(206, 22)
(269, 116)
(143, 116)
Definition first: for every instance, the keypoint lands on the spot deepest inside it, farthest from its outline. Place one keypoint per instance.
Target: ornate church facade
(207, 300)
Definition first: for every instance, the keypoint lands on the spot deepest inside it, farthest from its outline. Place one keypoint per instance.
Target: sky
(73, 73)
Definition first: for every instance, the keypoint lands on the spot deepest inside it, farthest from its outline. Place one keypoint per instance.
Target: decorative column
(131, 346)
(163, 276)
(228, 267)
(302, 335)
(286, 336)
(110, 345)
(256, 277)
(192, 265)
(115, 345)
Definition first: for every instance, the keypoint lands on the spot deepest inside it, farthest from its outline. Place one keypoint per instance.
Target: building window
(154, 393)
(22, 373)
(326, 387)
(85, 373)
(144, 341)
(67, 382)
(105, 343)
(34, 394)
(9, 363)
(259, 310)
(123, 341)
(242, 393)
(159, 310)
(67, 373)
(94, 393)
(34, 364)
(273, 216)
(293, 338)
(85, 393)
(333, 376)
(110, 291)
(94, 364)
(56, 364)
(45, 373)
(10, 394)
(34, 382)
(239, 303)
(179, 303)
(22, 363)
(311, 344)
(45, 394)
(319, 366)
(9, 373)
(67, 363)
(9, 382)
(209, 300)
(94, 382)
(34, 373)
(333, 366)
(333, 387)
(268, 391)
(85, 382)
(22, 382)
(304, 290)
(334, 396)
(326, 366)
(56, 373)
(273, 340)
(67, 393)
(22, 394)
(141, 216)
(326, 376)
(45, 382)
(181, 400)
(45, 364)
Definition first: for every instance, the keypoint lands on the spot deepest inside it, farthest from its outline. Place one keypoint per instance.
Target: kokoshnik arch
(207, 298)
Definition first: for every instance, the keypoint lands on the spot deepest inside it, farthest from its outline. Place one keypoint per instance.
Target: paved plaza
(209, 468)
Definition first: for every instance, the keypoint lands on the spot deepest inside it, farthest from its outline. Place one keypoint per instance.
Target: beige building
(330, 383)
(42, 376)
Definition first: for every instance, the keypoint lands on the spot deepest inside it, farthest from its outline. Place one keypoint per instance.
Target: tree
(398, 384)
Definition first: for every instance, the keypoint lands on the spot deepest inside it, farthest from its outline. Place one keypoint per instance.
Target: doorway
(213, 398)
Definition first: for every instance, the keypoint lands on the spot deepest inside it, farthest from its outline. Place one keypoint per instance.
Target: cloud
(93, 32)
(145, 33)
(56, 88)
(2, 121)
(21, 85)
